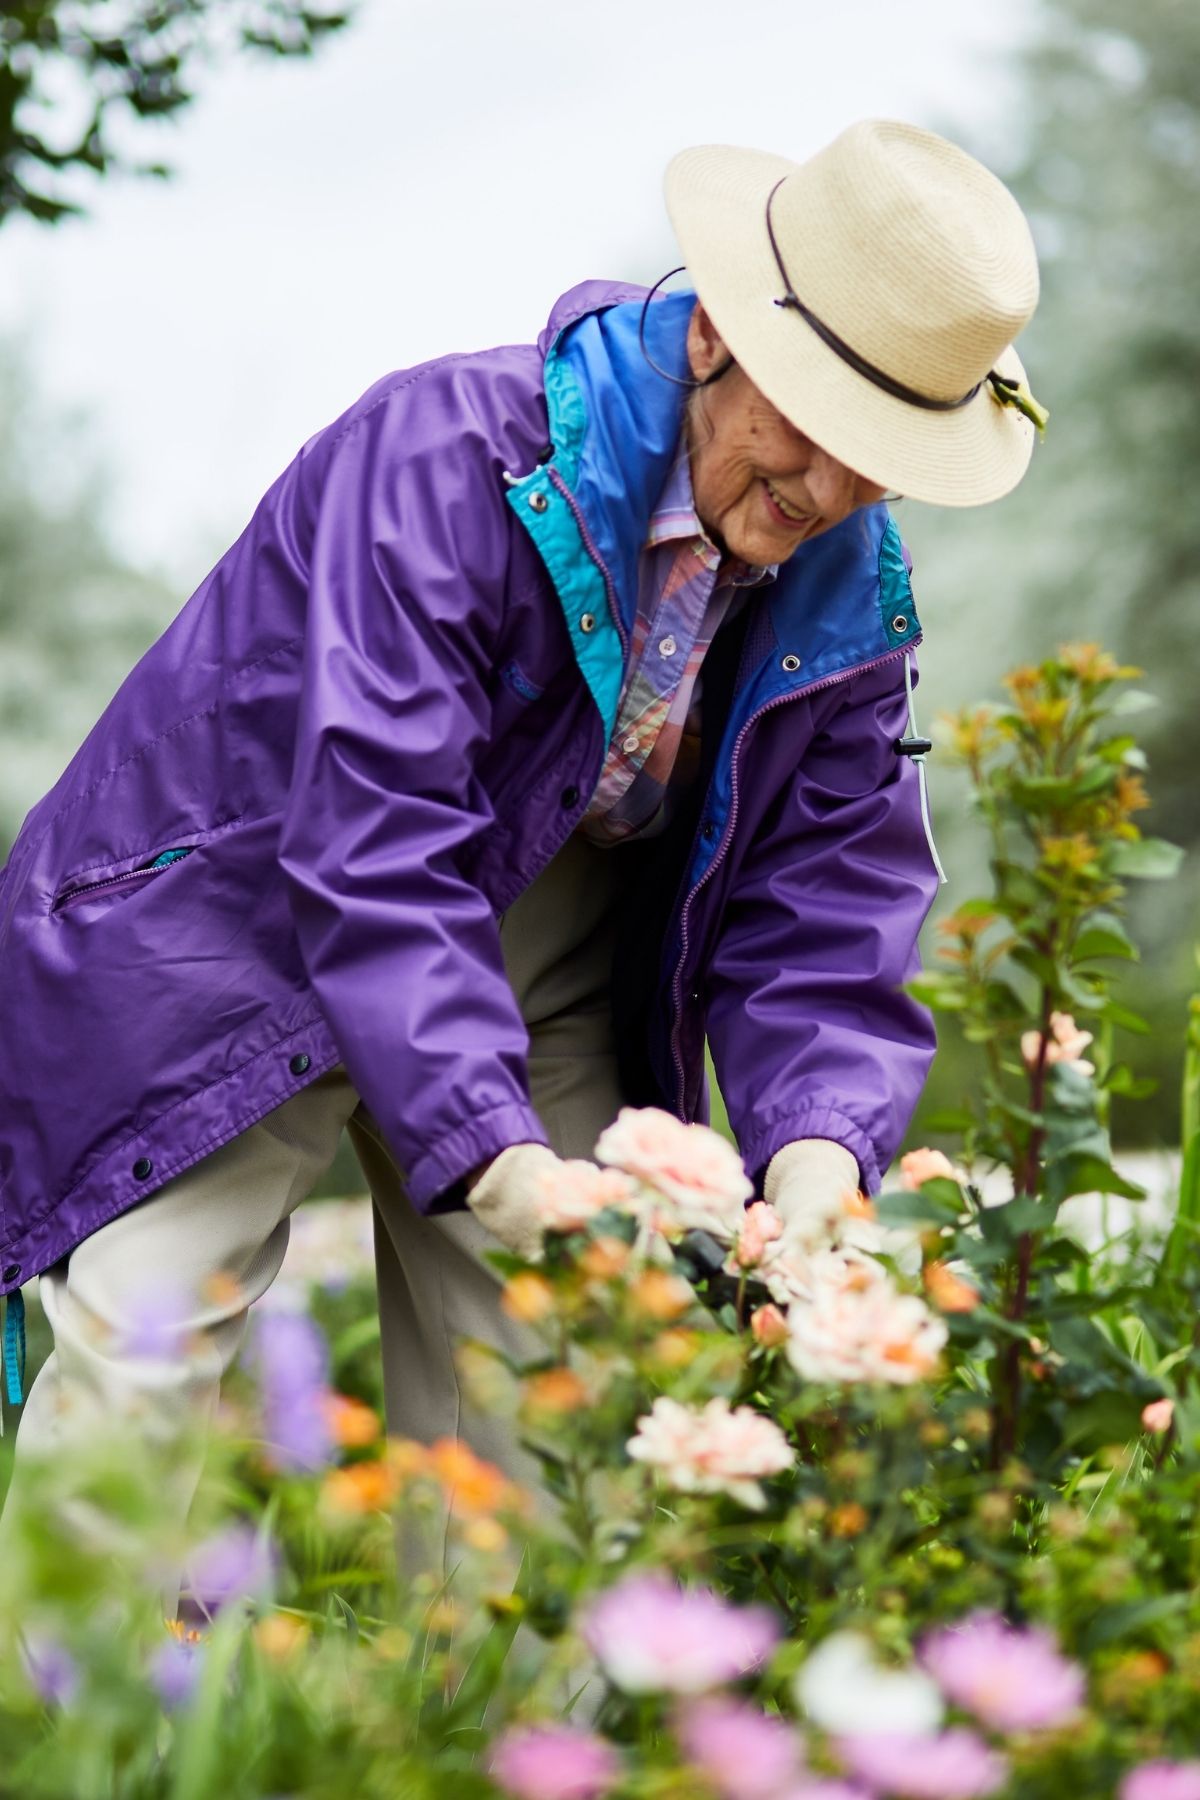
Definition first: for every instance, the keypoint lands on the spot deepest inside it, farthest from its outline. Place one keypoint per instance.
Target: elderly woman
(551, 717)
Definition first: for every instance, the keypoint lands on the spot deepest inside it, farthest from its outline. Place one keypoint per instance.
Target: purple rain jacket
(288, 840)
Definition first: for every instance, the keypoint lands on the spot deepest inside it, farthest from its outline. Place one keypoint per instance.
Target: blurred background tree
(70, 68)
(1103, 539)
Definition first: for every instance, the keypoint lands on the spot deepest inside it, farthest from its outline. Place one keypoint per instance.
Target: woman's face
(761, 487)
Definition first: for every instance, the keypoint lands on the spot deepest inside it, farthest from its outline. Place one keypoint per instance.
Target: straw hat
(905, 270)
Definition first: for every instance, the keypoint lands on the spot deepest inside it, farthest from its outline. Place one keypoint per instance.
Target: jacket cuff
(813, 1121)
(435, 1182)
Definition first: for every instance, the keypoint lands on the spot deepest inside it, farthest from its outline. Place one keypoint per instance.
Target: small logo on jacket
(519, 682)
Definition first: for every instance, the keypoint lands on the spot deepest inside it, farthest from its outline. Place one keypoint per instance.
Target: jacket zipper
(799, 693)
(111, 881)
(614, 610)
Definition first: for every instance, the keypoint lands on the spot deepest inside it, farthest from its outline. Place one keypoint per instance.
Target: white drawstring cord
(922, 782)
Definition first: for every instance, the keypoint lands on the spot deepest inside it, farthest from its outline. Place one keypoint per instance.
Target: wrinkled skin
(738, 442)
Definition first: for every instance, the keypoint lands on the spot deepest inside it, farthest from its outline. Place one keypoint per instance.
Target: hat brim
(717, 200)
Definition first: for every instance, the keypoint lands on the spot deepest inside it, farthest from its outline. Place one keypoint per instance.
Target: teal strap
(14, 1348)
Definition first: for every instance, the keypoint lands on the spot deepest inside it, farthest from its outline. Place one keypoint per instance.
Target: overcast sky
(428, 183)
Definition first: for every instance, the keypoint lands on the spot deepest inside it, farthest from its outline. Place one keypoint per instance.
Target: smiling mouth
(791, 513)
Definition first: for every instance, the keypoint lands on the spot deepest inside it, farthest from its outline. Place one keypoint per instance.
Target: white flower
(568, 1198)
(843, 1690)
(793, 1274)
(711, 1449)
(864, 1330)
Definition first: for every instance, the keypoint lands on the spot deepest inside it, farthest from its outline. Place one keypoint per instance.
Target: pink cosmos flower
(697, 1173)
(926, 1165)
(1158, 1415)
(954, 1765)
(1162, 1781)
(819, 1787)
(568, 1198)
(711, 1449)
(554, 1762)
(1012, 1678)
(652, 1637)
(864, 1332)
(768, 1327)
(1065, 1043)
(746, 1753)
(761, 1225)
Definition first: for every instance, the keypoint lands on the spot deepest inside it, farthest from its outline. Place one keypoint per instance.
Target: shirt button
(667, 646)
(142, 1168)
(630, 744)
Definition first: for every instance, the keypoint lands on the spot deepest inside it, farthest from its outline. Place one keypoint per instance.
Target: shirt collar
(675, 519)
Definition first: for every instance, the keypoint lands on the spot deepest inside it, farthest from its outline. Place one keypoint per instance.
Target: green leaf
(1147, 859)
(933, 1202)
(1133, 700)
(1084, 1172)
(1111, 1417)
(1129, 1618)
(1009, 1222)
(946, 1122)
(1105, 936)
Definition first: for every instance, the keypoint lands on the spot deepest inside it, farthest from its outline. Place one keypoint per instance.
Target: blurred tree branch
(70, 68)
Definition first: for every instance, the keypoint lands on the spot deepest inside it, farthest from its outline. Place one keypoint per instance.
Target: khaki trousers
(219, 1231)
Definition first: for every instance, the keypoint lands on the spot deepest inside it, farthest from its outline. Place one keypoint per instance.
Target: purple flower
(1162, 1781)
(554, 1762)
(236, 1564)
(1011, 1678)
(653, 1637)
(175, 1670)
(745, 1753)
(954, 1765)
(819, 1787)
(154, 1321)
(290, 1361)
(52, 1670)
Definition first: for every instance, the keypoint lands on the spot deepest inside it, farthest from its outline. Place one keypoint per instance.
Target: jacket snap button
(11, 1272)
(299, 1064)
(588, 622)
(899, 624)
(569, 797)
(790, 664)
(142, 1168)
(538, 503)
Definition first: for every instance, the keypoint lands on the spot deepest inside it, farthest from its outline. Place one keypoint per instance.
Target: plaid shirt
(685, 591)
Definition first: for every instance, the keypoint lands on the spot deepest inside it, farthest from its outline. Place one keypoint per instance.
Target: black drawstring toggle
(913, 746)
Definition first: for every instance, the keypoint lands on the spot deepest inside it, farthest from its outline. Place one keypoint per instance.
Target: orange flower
(555, 1391)
(528, 1298)
(660, 1295)
(675, 1349)
(848, 1520)
(605, 1258)
(406, 1458)
(472, 1486)
(364, 1487)
(948, 1291)
(185, 1634)
(351, 1424)
(279, 1636)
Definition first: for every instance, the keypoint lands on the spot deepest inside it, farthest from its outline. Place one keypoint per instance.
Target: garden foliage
(903, 1507)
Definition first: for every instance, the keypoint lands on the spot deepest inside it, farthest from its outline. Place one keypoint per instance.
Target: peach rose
(768, 1327)
(1065, 1043)
(696, 1172)
(863, 1331)
(761, 1225)
(711, 1449)
(1158, 1415)
(926, 1165)
(569, 1197)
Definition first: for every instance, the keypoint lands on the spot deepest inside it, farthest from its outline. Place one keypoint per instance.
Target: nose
(833, 487)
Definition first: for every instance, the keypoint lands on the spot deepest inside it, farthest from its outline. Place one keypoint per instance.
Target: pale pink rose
(926, 1165)
(554, 1762)
(868, 1332)
(769, 1327)
(569, 1197)
(652, 1637)
(1158, 1415)
(698, 1174)
(761, 1225)
(745, 1753)
(1162, 1781)
(711, 1449)
(791, 1274)
(954, 1765)
(1012, 1677)
(1065, 1043)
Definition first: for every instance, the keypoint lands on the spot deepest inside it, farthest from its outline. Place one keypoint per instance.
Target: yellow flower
(675, 1349)
(605, 1258)
(528, 1298)
(279, 1636)
(660, 1295)
(487, 1535)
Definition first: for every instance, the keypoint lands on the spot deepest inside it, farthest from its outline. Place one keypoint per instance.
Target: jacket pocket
(121, 882)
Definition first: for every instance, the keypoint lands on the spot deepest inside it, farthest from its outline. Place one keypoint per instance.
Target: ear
(705, 345)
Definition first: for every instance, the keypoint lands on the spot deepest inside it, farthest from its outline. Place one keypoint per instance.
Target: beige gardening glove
(813, 1185)
(504, 1197)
